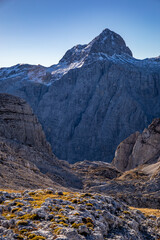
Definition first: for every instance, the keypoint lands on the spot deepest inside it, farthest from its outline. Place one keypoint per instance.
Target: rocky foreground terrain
(96, 96)
(46, 214)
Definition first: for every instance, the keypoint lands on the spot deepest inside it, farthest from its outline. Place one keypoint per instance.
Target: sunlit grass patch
(148, 211)
(77, 225)
(57, 230)
(11, 190)
(8, 216)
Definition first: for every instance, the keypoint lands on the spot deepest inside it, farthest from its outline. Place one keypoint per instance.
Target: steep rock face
(26, 159)
(95, 97)
(18, 122)
(18, 168)
(139, 148)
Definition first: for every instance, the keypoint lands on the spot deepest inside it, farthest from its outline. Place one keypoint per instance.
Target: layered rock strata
(26, 158)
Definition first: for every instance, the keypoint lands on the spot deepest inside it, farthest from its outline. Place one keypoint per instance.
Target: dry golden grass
(148, 211)
(58, 218)
(11, 190)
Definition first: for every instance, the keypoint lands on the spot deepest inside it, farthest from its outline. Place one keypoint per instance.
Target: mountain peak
(107, 44)
(110, 43)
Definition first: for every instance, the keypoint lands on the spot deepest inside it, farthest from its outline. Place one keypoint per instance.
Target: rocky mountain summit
(107, 44)
(95, 97)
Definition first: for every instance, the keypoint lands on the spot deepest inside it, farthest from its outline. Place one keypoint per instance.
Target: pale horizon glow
(41, 31)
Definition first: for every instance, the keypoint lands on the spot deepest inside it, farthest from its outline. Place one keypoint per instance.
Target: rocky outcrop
(46, 214)
(95, 173)
(94, 98)
(19, 170)
(26, 159)
(139, 187)
(139, 148)
(17, 122)
(139, 157)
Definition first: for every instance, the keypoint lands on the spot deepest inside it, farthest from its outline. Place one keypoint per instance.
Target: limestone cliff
(26, 159)
(18, 122)
(139, 148)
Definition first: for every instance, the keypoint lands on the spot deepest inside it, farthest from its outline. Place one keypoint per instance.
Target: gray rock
(40, 212)
(5, 224)
(19, 123)
(133, 224)
(71, 233)
(97, 236)
(26, 157)
(158, 222)
(62, 237)
(103, 226)
(2, 229)
(83, 230)
(139, 148)
(12, 223)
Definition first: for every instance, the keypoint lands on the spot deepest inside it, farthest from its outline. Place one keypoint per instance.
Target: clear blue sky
(40, 31)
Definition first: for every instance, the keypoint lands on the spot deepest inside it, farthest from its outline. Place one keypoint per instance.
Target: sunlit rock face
(95, 97)
(139, 148)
